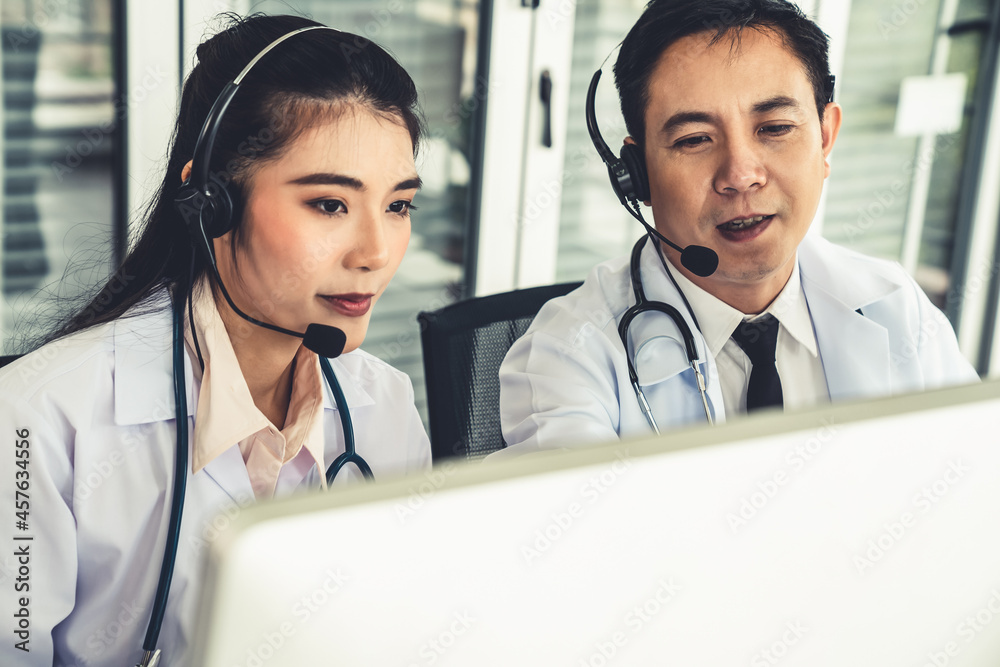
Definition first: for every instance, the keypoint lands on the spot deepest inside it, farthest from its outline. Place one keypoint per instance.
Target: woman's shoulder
(56, 359)
(79, 359)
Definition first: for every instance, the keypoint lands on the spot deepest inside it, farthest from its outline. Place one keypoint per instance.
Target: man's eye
(776, 130)
(692, 142)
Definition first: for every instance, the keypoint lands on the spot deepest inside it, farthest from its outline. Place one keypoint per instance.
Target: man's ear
(833, 116)
(633, 142)
(186, 171)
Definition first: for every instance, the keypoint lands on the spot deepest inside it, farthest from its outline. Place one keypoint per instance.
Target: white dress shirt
(796, 355)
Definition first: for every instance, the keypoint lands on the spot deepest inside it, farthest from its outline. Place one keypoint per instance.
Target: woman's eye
(330, 206)
(402, 207)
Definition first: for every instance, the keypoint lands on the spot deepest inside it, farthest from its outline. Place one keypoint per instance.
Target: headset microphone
(631, 184)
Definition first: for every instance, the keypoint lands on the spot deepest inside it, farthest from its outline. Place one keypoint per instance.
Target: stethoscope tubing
(643, 305)
(350, 454)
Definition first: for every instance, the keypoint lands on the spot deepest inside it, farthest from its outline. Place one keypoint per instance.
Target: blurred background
(514, 194)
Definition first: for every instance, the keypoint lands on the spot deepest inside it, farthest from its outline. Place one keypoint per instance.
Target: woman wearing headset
(284, 209)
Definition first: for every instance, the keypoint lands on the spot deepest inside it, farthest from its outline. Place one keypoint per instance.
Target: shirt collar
(718, 319)
(790, 308)
(226, 412)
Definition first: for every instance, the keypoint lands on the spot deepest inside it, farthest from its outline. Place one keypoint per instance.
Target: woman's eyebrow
(323, 178)
(328, 179)
(414, 183)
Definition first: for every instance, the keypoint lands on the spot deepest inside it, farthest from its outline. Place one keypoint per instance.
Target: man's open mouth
(745, 223)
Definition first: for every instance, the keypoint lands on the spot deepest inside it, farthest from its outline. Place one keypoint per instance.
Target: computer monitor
(856, 534)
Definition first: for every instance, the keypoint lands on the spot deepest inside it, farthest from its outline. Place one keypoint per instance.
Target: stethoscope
(151, 655)
(642, 305)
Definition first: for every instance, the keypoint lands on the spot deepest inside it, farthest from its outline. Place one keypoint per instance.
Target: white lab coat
(99, 410)
(566, 382)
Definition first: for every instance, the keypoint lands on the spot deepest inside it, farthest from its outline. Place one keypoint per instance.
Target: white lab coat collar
(850, 289)
(860, 367)
(354, 393)
(144, 386)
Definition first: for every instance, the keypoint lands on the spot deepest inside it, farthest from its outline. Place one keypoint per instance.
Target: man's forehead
(704, 53)
(754, 65)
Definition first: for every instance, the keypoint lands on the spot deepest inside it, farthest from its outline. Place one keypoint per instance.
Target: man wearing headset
(728, 104)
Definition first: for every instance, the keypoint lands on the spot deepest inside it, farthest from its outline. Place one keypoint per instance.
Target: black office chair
(463, 346)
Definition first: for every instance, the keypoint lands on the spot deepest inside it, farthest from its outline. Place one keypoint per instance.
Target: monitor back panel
(839, 542)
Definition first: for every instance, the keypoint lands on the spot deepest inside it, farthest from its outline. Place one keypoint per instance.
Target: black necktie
(758, 339)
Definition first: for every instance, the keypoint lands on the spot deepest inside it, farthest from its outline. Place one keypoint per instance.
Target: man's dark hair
(666, 21)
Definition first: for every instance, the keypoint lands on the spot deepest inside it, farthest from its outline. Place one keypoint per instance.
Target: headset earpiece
(217, 214)
(628, 171)
(635, 166)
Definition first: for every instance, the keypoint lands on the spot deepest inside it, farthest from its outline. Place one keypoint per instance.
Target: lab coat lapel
(229, 471)
(144, 391)
(144, 372)
(854, 349)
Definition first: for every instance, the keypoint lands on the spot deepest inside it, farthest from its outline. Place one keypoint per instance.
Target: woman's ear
(186, 172)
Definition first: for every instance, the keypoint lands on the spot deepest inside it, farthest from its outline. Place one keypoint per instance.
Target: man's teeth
(740, 224)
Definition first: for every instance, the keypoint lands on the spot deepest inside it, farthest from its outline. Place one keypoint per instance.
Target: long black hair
(306, 79)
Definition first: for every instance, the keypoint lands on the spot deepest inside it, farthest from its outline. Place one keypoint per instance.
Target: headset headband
(206, 138)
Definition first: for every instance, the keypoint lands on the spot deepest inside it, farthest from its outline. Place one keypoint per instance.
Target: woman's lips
(351, 305)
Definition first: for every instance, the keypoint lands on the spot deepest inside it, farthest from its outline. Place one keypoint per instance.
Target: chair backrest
(463, 346)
